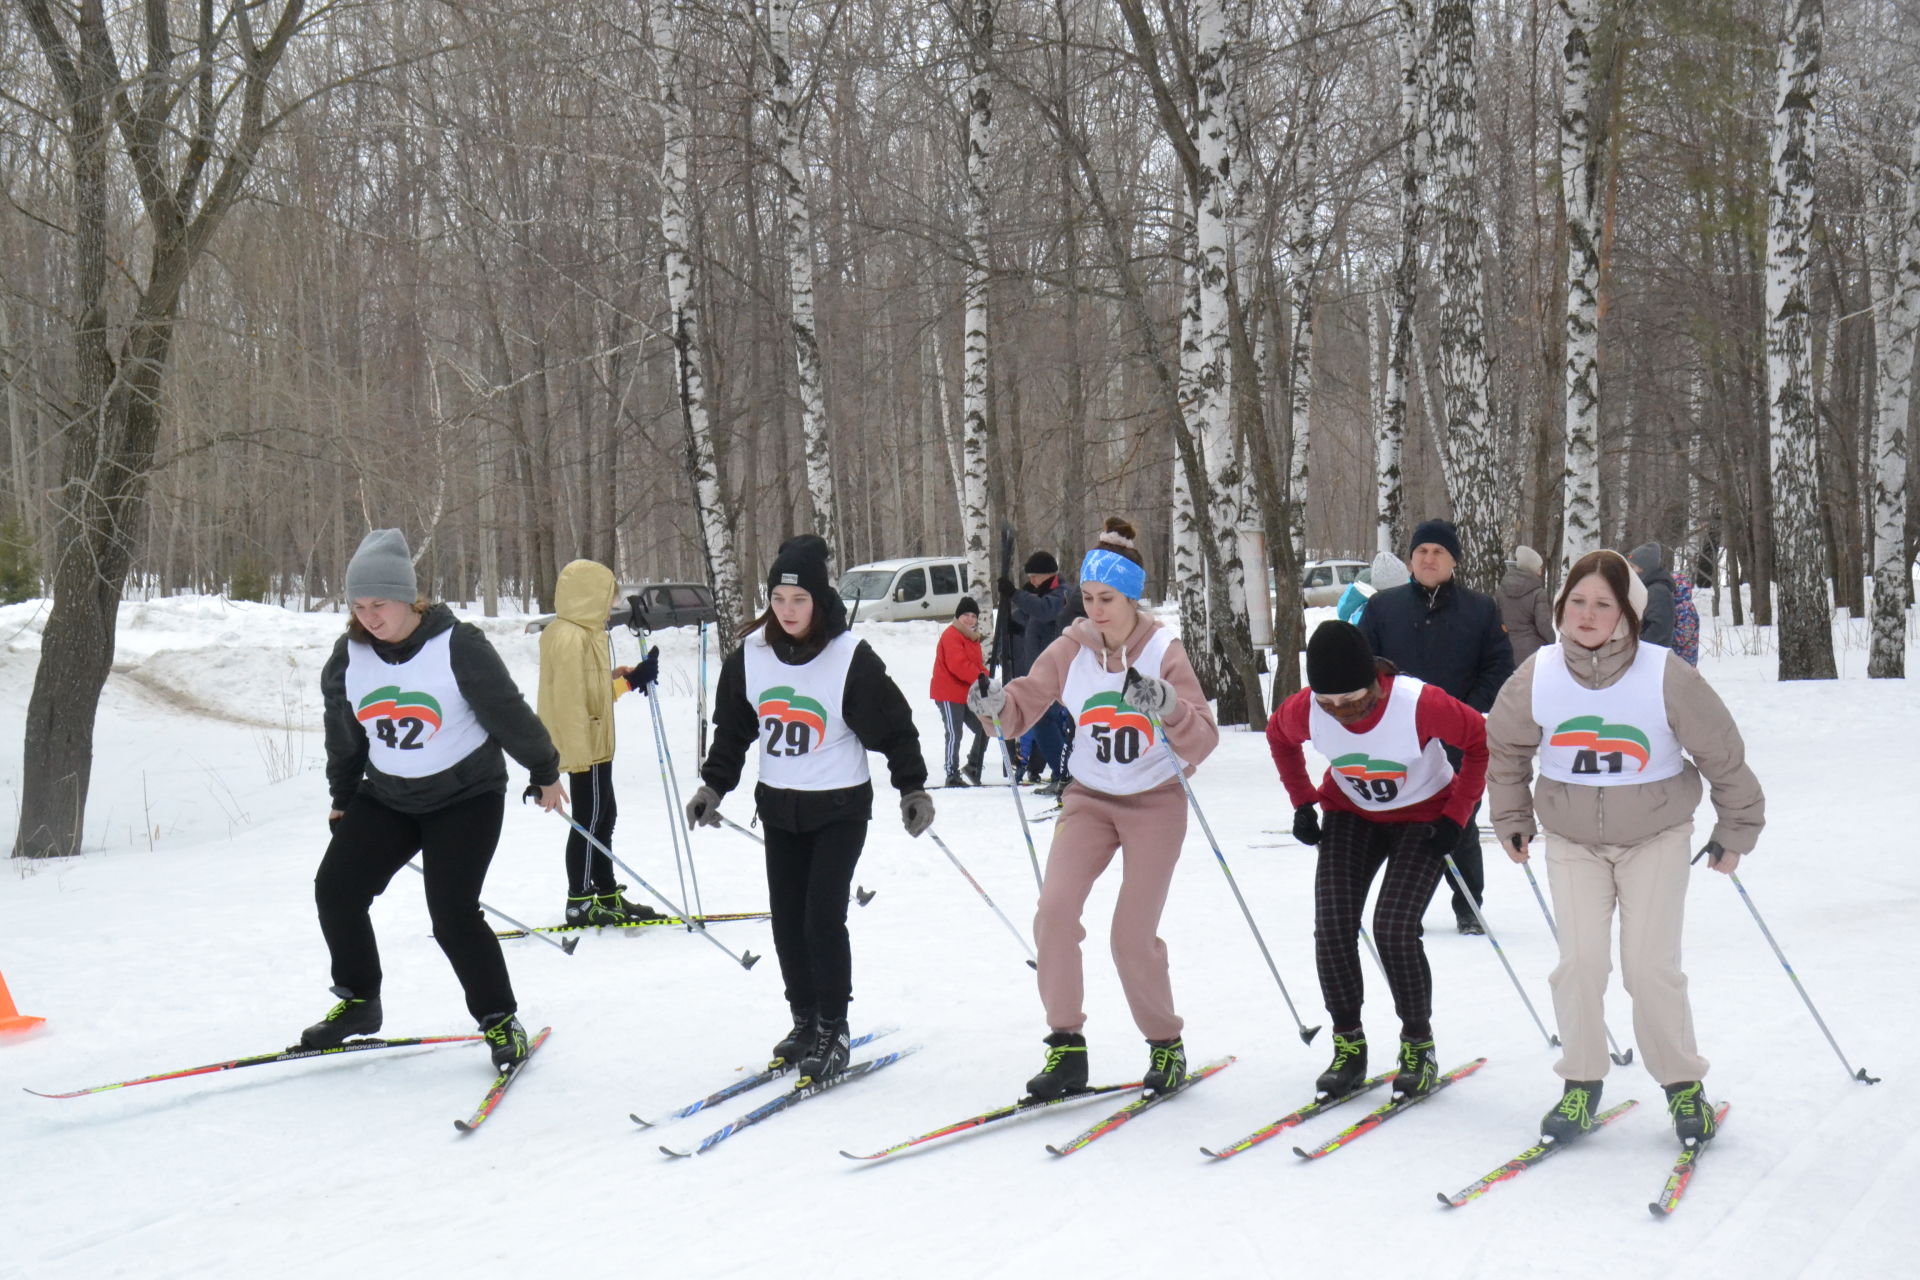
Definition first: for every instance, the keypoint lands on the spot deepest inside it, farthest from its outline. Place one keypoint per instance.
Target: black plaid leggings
(1351, 851)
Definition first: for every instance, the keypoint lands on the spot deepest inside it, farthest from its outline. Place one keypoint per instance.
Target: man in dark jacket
(1649, 560)
(1450, 636)
(1039, 613)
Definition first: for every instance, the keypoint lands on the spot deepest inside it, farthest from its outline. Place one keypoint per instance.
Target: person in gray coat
(1525, 610)
(1649, 560)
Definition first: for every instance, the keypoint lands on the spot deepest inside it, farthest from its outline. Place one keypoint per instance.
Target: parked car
(892, 590)
(1325, 580)
(655, 607)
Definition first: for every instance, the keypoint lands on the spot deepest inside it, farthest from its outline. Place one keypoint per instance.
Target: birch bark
(1900, 307)
(976, 371)
(1579, 184)
(1390, 523)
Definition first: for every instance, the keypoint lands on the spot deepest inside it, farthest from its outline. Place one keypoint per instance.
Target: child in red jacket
(957, 663)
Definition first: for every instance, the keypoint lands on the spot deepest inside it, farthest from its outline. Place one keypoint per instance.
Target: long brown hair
(1615, 572)
(1119, 527)
(361, 635)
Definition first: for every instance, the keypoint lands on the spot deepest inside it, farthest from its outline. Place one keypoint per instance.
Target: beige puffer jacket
(577, 684)
(1628, 814)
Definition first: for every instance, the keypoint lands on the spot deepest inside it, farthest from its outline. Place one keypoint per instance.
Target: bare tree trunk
(1805, 626)
(1390, 520)
(1892, 577)
(1580, 154)
(975, 523)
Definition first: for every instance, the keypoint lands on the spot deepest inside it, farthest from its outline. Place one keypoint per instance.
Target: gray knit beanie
(382, 569)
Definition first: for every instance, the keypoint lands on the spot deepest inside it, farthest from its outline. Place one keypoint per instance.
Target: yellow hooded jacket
(577, 684)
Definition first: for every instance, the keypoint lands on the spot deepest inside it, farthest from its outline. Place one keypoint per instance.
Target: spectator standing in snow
(577, 691)
(1649, 560)
(1450, 636)
(1525, 610)
(1624, 732)
(418, 707)
(1387, 570)
(958, 661)
(1040, 610)
(814, 699)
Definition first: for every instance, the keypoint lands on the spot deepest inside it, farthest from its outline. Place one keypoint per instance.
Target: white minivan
(892, 590)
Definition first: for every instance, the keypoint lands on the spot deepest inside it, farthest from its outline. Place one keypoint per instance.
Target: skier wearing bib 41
(1124, 679)
(418, 707)
(1614, 721)
(815, 699)
(1389, 797)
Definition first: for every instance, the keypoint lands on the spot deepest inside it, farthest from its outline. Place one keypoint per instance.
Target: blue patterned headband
(1116, 571)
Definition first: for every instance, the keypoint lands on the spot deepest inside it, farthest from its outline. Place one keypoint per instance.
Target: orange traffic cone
(11, 1019)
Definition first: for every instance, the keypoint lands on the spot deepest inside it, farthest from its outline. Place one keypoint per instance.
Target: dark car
(655, 607)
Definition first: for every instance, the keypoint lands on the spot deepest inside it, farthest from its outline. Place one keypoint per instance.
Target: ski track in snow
(204, 946)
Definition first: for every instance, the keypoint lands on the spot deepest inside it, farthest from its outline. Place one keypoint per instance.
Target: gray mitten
(916, 811)
(704, 809)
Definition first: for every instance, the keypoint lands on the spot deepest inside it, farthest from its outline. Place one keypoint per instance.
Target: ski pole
(1859, 1074)
(566, 946)
(1620, 1059)
(1006, 753)
(1180, 771)
(673, 782)
(1368, 939)
(1033, 961)
(1453, 868)
(700, 739)
(745, 960)
(860, 895)
(668, 791)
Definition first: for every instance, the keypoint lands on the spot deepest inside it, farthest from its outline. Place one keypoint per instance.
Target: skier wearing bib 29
(1391, 797)
(816, 700)
(1614, 721)
(1124, 680)
(418, 707)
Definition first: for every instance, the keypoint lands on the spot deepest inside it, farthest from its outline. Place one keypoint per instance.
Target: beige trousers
(1648, 882)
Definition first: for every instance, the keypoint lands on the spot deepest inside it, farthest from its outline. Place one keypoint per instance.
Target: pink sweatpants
(1147, 829)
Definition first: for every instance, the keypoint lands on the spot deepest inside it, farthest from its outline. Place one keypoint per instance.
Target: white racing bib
(1386, 767)
(1612, 737)
(417, 722)
(805, 744)
(1114, 745)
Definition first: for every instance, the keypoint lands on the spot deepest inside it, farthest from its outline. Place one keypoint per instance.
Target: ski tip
(1034, 965)
(569, 945)
(1055, 1150)
(1446, 1200)
(644, 1124)
(463, 1126)
(1212, 1154)
(677, 1155)
(1658, 1212)
(1303, 1154)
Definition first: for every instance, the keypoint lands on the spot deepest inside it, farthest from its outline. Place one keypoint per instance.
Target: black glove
(1711, 853)
(333, 823)
(1306, 824)
(1444, 837)
(531, 793)
(641, 677)
(1005, 587)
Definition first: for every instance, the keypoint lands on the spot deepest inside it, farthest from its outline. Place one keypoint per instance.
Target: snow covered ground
(186, 935)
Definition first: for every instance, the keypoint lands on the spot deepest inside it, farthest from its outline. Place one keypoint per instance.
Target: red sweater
(957, 663)
(1436, 715)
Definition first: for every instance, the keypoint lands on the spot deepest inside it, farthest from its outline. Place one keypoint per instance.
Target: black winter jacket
(1450, 636)
(1039, 616)
(874, 708)
(1656, 622)
(488, 689)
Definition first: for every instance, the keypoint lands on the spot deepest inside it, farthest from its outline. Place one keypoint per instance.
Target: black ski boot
(1066, 1069)
(829, 1052)
(1349, 1065)
(580, 909)
(955, 781)
(353, 1016)
(1573, 1118)
(797, 1041)
(1167, 1067)
(615, 904)
(1692, 1113)
(1419, 1068)
(972, 774)
(506, 1040)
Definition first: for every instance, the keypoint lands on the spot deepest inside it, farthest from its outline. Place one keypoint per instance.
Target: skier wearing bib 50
(1389, 797)
(816, 700)
(1614, 721)
(1124, 680)
(418, 707)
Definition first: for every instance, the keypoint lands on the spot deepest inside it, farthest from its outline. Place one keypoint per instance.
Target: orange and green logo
(389, 703)
(1112, 711)
(783, 704)
(1362, 766)
(1591, 733)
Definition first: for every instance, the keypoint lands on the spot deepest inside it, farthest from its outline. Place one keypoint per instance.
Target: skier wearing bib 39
(816, 699)
(418, 707)
(1610, 717)
(1124, 679)
(1389, 797)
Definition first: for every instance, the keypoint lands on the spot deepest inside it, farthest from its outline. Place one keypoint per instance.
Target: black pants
(956, 717)
(1466, 856)
(455, 844)
(593, 808)
(1352, 850)
(808, 876)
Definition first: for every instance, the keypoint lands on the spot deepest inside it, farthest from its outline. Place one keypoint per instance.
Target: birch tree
(798, 221)
(683, 301)
(1580, 153)
(1899, 307)
(1187, 566)
(1409, 40)
(1800, 560)
(975, 524)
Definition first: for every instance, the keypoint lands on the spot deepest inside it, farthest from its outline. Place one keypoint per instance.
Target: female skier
(816, 699)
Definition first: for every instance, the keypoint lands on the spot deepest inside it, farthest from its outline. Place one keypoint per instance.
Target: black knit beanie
(967, 605)
(1042, 562)
(1438, 532)
(1338, 659)
(801, 562)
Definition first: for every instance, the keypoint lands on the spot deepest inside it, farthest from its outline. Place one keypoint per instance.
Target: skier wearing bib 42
(418, 707)
(1124, 679)
(1614, 721)
(1391, 797)
(816, 700)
